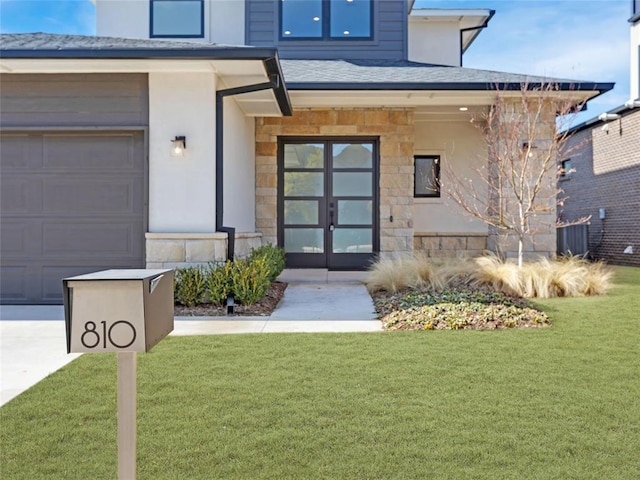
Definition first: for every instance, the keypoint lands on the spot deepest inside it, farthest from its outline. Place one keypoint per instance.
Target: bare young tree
(516, 191)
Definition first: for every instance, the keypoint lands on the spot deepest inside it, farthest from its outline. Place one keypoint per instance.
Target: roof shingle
(349, 74)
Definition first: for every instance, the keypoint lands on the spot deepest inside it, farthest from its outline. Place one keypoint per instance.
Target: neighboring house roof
(46, 46)
(595, 122)
(407, 75)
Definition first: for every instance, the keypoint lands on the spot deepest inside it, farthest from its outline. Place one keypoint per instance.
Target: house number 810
(91, 337)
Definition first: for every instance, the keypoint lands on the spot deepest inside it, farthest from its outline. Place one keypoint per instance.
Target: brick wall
(607, 176)
(394, 127)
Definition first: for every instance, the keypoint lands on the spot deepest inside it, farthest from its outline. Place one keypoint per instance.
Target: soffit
(407, 98)
(230, 73)
(468, 21)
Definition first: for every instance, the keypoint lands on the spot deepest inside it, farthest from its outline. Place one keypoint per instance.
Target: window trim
(437, 169)
(326, 26)
(153, 35)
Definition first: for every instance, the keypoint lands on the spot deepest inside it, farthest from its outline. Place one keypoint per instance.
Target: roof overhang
(621, 110)
(424, 95)
(234, 67)
(470, 21)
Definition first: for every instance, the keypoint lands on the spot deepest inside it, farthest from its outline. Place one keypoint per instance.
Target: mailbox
(118, 310)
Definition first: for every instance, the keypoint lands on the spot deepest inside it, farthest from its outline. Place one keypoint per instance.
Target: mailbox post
(123, 311)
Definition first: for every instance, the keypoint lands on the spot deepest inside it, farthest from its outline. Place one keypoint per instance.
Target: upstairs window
(325, 19)
(177, 19)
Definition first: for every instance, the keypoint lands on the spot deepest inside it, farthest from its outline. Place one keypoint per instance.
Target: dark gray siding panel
(389, 42)
(72, 202)
(74, 100)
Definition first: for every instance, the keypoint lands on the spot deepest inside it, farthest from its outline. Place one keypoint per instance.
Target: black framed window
(326, 19)
(176, 19)
(566, 169)
(426, 176)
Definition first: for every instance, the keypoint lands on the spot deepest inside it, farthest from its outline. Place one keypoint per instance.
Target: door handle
(331, 226)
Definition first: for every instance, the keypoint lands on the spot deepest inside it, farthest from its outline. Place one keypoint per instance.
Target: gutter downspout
(220, 95)
(484, 25)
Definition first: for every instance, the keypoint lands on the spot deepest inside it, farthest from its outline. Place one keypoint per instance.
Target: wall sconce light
(179, 145)
(529, 148)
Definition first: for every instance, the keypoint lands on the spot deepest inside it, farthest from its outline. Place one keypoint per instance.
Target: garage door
(72, 202)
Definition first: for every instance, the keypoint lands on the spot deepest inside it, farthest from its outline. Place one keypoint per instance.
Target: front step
(321, 275)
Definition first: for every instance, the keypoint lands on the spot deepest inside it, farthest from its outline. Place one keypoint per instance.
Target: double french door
(328, 202)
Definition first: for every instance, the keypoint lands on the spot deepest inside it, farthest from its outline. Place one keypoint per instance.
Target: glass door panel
(352, 155)
(303, 184)
(304, 240)
(352, 240)
(352, 184)
(351, 204)
(304, 155)
(328, 205)
(355, 212)
(301, 212)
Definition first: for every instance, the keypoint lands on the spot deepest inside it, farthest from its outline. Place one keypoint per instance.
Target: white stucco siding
(434, 42)
(182, 189)
(239, 168)
(223, 20)
(461, 148)
(226, 22)
(122, 18)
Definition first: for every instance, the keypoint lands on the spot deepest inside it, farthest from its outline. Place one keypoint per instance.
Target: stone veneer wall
(450, 245)
(394, 127)
(175, 250)
(544, 241)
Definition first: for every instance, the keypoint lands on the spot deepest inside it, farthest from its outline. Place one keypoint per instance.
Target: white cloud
(579, 40)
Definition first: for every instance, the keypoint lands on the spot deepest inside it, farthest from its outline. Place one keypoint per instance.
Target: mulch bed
(263, 308)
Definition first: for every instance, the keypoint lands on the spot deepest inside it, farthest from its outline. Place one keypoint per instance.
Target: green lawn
(554, 403)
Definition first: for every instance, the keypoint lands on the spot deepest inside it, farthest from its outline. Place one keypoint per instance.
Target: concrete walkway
(33, 345)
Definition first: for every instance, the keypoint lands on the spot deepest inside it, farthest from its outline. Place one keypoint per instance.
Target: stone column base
(179, 250)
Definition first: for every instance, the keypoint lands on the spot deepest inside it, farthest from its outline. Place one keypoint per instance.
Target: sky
(574, 39)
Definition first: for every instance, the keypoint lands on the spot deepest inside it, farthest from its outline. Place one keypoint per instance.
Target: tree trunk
(520, 251)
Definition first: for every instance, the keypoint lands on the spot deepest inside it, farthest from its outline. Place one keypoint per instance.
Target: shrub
(496, 274)
(219, 282)
(566, 277)
(190, 286)
(400, 273)
(249, 280)
(273, 257)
